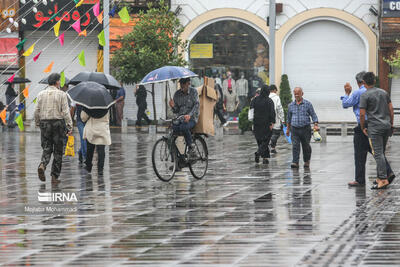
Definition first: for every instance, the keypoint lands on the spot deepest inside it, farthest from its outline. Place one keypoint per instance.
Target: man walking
(376, 103)
(279, 117)
(141, 102)
(299, 113)
(360, 141)
(52, 114)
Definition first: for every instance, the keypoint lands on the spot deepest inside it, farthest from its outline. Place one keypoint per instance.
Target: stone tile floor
(240, 214)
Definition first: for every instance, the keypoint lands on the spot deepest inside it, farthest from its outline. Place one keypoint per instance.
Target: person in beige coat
(97, 134)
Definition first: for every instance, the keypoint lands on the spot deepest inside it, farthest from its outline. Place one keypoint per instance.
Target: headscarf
(264, 91)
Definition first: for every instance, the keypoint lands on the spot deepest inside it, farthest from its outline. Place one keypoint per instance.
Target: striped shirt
(187, 104)
(299, 114)
(52, 104)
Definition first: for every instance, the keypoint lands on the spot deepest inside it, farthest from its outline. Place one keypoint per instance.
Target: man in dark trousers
(376, 104)
(298, 119)
(360, 141)
(141, 95)
(52, 114)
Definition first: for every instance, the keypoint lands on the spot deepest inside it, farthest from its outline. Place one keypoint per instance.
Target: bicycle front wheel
(198, 167)
(164, 160)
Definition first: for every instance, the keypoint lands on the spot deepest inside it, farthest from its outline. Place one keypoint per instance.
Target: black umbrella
(19, 80)
(46, 80)
(91, 95)
(107, 80)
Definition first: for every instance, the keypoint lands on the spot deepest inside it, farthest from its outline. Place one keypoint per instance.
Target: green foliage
(244, 123)
(394, 61)
(285, 93)
(154, 42)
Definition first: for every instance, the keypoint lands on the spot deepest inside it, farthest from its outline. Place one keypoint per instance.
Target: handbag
(250, 115)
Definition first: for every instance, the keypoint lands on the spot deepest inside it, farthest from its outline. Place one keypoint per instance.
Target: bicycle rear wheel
(164, 160)
(198, 167)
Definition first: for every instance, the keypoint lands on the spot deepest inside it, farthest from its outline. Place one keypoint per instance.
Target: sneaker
(265, 161)
(41, 174)
(256, 157)
(294, 165)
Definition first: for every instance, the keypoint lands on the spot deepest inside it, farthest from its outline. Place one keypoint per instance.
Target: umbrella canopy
(167, 73)
(46, 80)
(107, 80)
(19, 80)
(91, 95)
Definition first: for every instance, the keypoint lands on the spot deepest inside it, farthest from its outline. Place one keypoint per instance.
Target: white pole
(272, 22)
(106, 48)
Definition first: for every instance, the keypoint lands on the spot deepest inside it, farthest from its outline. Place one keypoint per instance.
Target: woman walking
(11, 104)
(264, 119)
(97, 134)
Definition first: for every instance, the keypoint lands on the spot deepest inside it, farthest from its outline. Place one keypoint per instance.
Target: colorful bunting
(102, 40)
(3, 115)
(83, 33)
(76, 1)
(62, 79)
(26, 92)
(37, 56)
(11, 79)
(34, 100)
(77, 25)
(113, 11)
(20, 45)
(100, 17)
(55, 15)
(28, 52)
(20, 122)
(57, 28)
(82, 58)
(96, 9)
(80, 3)
(21, 106)
(124, 15)
(61, 38)
(49, 67)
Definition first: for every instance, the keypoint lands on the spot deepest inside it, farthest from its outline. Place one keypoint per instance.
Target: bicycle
(167, 158)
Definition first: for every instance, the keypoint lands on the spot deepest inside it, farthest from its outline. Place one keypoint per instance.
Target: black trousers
(142, 115)
(275, 136)
(361, 149)
(100, 155)
(263, 149)
(301, 135)
(52, 133)
(218, 112)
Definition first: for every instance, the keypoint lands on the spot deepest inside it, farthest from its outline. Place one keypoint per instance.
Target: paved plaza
(240, 214)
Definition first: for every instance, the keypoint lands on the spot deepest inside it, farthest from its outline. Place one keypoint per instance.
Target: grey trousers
(301, 135)
(379, 142)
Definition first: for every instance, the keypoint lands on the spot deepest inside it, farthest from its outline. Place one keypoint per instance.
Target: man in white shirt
(279, 119)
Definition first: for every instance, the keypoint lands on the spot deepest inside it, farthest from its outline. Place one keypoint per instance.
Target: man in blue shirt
(360, 141)
(298, 119)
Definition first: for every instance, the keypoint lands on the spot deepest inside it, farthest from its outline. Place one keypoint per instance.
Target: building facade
(320, 45)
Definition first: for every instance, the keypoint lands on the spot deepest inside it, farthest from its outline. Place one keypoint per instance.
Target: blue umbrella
(167, 73)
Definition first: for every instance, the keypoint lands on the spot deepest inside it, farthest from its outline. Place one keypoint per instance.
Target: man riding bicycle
(186, 105)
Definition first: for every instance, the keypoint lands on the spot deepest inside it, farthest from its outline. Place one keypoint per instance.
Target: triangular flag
(21, 106)
(124, 15)
(100, 17)
(26, 92)
(76, 1)
(77, 25)
(28, 52)
(96, 9)
(11, 79)
(55, 15)
(62, 79)
(3, 115)
(113, 11)
(80, 3)
(37, 56)
(20, 122)
(57, 28)
(34, 100)
(20, 45)
(83, 33)
(102, 40)
(49, 67)
(61, 39)
(82, 58)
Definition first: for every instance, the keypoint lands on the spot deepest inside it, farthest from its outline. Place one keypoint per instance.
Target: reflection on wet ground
(239, 214)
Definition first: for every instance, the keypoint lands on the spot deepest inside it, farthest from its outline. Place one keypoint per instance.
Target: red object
(11, 79)
(8, 51)
(37, 56)
(229, 83)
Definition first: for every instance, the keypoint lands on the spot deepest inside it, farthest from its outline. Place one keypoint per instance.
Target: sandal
(376, 187)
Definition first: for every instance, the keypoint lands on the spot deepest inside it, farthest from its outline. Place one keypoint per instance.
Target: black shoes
(80, 157)
(294, 165)
(54, 180)
(41, 174)
(256, 157)
(273, 150)
(265, 161)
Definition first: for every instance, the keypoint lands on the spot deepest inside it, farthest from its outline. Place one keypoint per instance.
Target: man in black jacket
(141, 95)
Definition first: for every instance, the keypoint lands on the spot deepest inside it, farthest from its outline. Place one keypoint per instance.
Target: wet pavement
(240, 214)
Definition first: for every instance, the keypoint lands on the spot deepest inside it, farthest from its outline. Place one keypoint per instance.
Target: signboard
(66, 11)
(201, 51)
(8, 52)
(391, 8)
